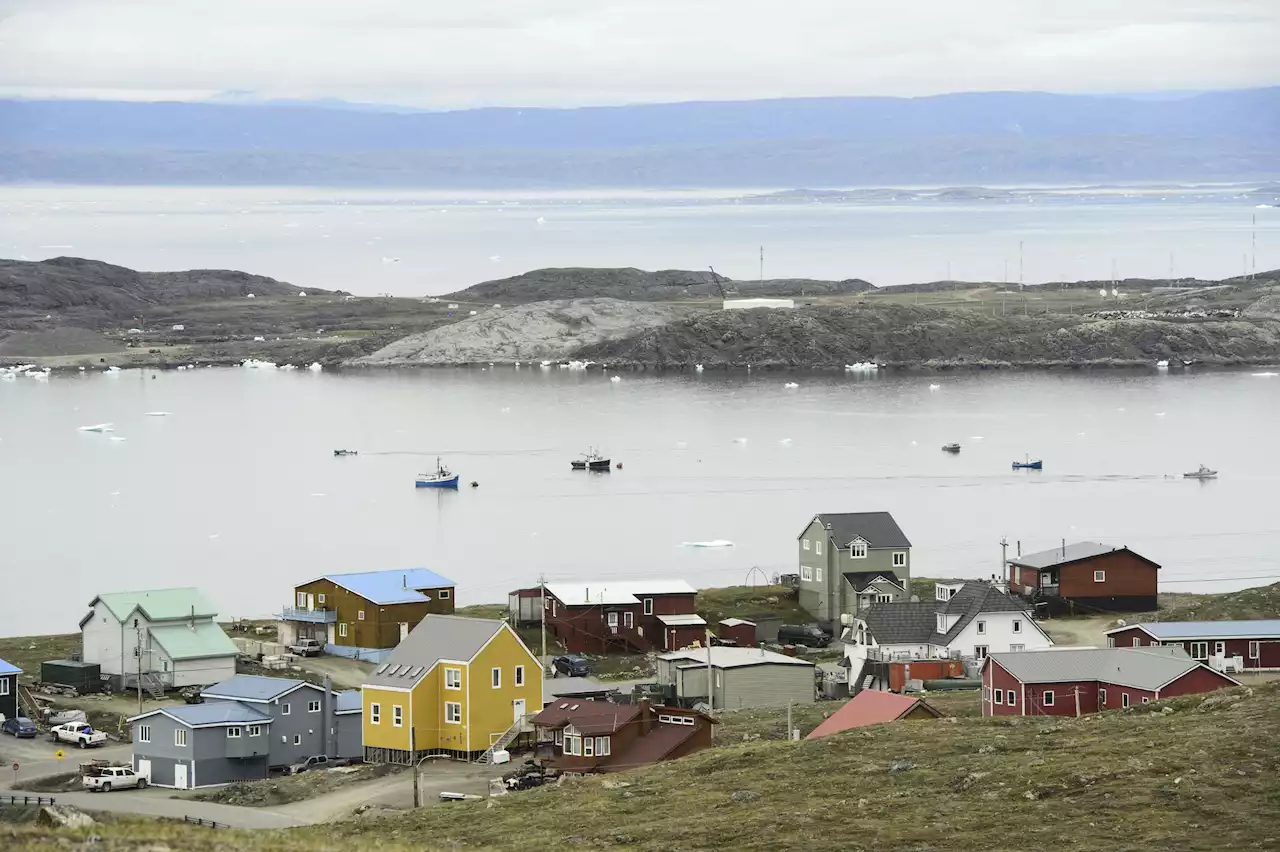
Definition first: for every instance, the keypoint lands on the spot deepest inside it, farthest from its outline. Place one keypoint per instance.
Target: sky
(439, 54)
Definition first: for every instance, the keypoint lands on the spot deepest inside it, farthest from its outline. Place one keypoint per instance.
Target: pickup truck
(79, 733)
(307, 648)
(104, 779)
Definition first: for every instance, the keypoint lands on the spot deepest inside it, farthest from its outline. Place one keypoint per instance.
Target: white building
(748, 304)
(165, 636)
(967, 619)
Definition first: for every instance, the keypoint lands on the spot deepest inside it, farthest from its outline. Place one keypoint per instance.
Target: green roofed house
(165, 637)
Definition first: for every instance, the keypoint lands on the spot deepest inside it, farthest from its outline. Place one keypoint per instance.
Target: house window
(342, 630)
(1124, 699)
(1102, 697)
(806, 544)
(397, 716)
(180, 737)
(980, 651)
(817, 573)
(496, 677)
(884, 598)
(603, 747)
(520, 674)
(942, 623)
(999, 696)
(1011, 698)
(320, 598)
(1099, 576)
(313, 706)
(1255, 649)
(1017, 625)
(233, 733)
(648, 606)
(588, 747)
(360, 615)
(1048, 698)
(628, 619)
(4, 686)
(453, 678)
(982, 627)
(817, 547)
(1199, 650)
(284, 709)
(375, 714)
(255, 730)
(1111, 641)
(806, 573)
(1219, 649)
(297, 739)
(1146, 700)
(572, 744)
(444, 594)
(899, 559)
(302, 600)
(1137, 641)
(453, 712)
(719, 679)
(144, 733)
(858, 550)
(1015, 648)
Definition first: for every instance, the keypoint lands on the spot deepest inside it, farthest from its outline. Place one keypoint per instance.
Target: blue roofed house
(166, 637)
(364, 615)
(8, 690)
(246, 727)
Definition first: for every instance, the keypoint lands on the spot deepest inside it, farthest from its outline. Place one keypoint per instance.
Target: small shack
(872, 707)
(738, 631)
(525, 606)
(81, 676)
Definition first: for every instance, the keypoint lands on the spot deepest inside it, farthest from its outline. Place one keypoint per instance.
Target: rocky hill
(94, 294)
(643, 286)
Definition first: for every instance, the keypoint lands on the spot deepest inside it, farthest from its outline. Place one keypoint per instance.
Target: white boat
(1202, 473)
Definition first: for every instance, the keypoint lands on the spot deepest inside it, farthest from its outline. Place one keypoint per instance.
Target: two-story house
(246, 727)
(852, 560)
(456, 686)
(967, 619)
(637, 615)
(1088, 576)
(364, 615)
(8, 690)
(166, 637)
(739, 677)
(596, 736)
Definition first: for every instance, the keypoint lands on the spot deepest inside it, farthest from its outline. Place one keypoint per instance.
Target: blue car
(19, 726)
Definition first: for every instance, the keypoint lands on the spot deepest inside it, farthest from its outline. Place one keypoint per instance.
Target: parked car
(79, 733)
(19, 726)
(803, 634)
(316, 761)
(307, 648)
(104, 779)
(571, 665)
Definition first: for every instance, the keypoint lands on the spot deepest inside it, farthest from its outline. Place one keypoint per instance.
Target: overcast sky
(446, 53)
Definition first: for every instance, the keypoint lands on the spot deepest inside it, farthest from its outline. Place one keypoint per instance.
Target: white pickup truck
(79, 733)
(104, 779)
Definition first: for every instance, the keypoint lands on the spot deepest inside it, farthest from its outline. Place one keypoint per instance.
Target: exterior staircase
(523, 726)
(152, 684)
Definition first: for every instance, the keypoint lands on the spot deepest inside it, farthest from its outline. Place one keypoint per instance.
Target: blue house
(8, 690)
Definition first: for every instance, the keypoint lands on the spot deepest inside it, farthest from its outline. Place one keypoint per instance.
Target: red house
(596, 736)
(873, 707)
(1098, 577)
(1075, 682)
(637, 616)
(1237, 645)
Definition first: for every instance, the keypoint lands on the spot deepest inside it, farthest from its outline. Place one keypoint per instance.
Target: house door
(144, 769)
(517, 711)
(404, 630)
(311, 601)
(180, 776)
(613, 622)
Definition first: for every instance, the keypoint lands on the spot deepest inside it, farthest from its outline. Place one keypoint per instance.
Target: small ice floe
(791, 385)
(1162, 364)
(39, 375)
(390, 260)
(615, 379)
(506, 410)
(739, 440)
(112, 370)
(681, 445)
(697, 367)
(157, 413)
(542, 221)
(98, 427)
(718, 542)
(116, 438)
(1265, 375)
(213, 535)
(289, 367)
(318, 494)
(1120, 409)
(861, 367)
(316, 367)
(473, 313)
(495, 258)
(259, 339)
(935, 387)
(1159, 414)
(976, 438)
(785, 441)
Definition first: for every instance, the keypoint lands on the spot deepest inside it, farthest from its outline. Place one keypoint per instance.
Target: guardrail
(313, 616)
(28, 801)
(208, 823)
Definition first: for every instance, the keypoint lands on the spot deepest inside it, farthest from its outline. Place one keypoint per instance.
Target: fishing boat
(591, 461)
(951, 448)
(1028, 464)
(1202, 473)
(442, 478)
(346, 453)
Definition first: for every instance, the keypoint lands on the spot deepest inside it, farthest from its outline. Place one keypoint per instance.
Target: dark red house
(1095, 577)
(1076, 682)
(1239, 645)
(638, 616)
(596, 736)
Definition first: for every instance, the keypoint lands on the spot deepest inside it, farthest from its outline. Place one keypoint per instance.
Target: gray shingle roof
(1073, 552)
(1146, 668)
(437, 637)
(252, 687)
(902, 623)
(859, 580)
(1174, 630)
(878, 529)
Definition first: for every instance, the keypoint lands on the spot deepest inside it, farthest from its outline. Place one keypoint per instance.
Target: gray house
(743, 677)
(851, 560)
(247, 727)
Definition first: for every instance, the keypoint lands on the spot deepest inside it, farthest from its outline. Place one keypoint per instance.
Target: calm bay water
(237, 490)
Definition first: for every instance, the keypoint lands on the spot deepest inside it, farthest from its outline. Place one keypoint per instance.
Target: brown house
(1088, 575)
(1223, 645)
(641, 615)
(365, 615)
(596, 736)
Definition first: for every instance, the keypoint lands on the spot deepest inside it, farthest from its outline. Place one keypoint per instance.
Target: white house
(166, 636)
(751, 304)
(967, 619)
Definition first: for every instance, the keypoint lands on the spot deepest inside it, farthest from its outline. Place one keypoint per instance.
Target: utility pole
(417, 765)
(1004, 559)
(789, 728)
(138, 631)
(711, 690)
(542, 597)
(1253, 256)
(1020, 267)
(762, 264)
(1076, 690)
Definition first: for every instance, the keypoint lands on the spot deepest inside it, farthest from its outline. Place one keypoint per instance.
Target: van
(803, 634)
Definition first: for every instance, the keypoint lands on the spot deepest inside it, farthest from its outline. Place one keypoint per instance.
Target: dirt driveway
(1086, 630)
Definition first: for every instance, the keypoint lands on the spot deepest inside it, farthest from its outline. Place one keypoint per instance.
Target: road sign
(15, 766)
(59, 754)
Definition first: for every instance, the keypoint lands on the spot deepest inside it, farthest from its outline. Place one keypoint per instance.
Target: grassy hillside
(1180, 779)
(1258, 602)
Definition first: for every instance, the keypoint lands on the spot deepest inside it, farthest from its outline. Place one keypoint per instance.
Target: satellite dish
(1115, 292)
(1103, 292)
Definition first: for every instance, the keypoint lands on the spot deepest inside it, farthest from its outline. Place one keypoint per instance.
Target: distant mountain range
(988, 138)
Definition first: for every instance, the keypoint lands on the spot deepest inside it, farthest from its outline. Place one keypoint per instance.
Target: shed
(525, 606)
(739, 631)
(742, 677)
(872, 707)
(83, 677)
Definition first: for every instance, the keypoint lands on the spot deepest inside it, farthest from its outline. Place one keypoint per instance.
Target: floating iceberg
(99, 427)
(791, 385)
(316, 367)
(719, 542)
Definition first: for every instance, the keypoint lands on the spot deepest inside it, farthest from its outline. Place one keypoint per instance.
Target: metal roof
(734, 622)
(683, 620)
(1147, 668)
(183, 642)
(877, 529)
(348, 701)
(212, 713)
(253, 687)
(391, 587)
(1173, 630)
(1073, 552)
(158, 604)
(868, 707)
(437, 637)
(7, 668)
(723, 657)
(558, 687)
(604, 592)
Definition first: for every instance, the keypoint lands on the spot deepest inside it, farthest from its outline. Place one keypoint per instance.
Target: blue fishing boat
(442, 478)
(1028, 464)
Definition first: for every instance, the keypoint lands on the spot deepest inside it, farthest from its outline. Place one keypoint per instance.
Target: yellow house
(454, 685)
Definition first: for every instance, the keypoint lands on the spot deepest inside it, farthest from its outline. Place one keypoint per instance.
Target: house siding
(204, 755)
(492, 711)
(1196, 681)
(994, 676)
(770, 685)
(380, 627)
(584, 628)
(1268, 648)
(384, 734)
(348, 736)
(103, 640)
(998, 634)
(828, 599)
(816, 597)
(203, 672)
(299, 722)
(1130, 585)
(8, 696)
